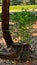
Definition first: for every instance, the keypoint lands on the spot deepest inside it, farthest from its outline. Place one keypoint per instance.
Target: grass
(20, 7)
(0, 8)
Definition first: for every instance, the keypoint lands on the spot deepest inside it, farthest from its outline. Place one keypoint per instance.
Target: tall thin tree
(5, 22)
(32, 2)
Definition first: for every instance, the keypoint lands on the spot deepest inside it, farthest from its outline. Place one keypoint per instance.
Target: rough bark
(23, 52)
(5, 22)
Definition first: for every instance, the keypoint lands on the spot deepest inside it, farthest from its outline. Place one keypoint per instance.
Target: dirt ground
(11, 62)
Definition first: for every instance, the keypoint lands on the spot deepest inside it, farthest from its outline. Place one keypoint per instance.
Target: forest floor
(11, 62)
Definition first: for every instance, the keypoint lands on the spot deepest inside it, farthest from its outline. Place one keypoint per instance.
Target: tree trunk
(5, 22)
(23, 52)
(32, 2)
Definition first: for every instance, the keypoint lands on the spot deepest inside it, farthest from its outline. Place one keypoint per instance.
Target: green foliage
(16, 2)
(0, 18)
(23, 23)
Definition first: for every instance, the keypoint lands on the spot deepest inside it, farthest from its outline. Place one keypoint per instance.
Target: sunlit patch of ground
(2, 41)
(18, 8)
(35, 27)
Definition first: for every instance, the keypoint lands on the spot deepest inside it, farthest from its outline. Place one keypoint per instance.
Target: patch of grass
(20, 7)
(23, 7)
(0, 8)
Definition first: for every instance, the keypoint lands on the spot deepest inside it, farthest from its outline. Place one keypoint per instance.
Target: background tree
(16, 2)
(32, 2)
